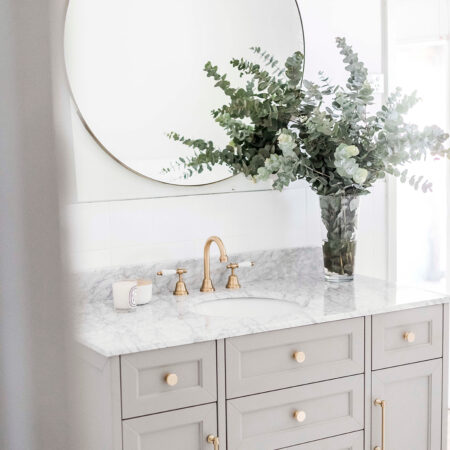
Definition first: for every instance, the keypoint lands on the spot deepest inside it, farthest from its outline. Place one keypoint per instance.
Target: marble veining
(293, 275)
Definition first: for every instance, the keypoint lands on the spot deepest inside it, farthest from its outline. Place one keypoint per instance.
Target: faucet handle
(166, 272)
(245, 264)
(180, 287)
(233, 282)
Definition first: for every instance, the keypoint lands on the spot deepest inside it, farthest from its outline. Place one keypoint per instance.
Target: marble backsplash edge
(96, 285)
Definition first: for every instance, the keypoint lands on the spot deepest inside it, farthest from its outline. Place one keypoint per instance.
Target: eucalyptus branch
(284, 127)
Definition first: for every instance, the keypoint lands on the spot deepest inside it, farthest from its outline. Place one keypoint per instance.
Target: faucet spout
(207, 285)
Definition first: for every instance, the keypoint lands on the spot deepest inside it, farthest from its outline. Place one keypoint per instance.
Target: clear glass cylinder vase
(340, 220)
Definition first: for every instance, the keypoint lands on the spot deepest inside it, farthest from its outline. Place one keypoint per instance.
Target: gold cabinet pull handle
(300, 416)
(382, 403)
(409, 337)
(299, 357)
(172, 379)
(211, 439)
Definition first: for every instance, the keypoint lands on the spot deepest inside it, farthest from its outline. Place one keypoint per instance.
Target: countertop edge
(282, 325)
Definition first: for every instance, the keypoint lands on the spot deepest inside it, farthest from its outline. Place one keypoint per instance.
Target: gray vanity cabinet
(184, 429)
(413, 402)
(305, 388)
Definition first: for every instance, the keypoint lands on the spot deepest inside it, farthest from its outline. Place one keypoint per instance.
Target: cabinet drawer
(267, 422)
(265, 362)
(351, 441)
(186, 429)
(146, 389)
(390, 332)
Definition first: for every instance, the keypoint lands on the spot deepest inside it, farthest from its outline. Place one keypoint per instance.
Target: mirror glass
(135, 68)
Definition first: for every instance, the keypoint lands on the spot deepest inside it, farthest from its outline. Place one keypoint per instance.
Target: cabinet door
(413, 406)
(185, 429)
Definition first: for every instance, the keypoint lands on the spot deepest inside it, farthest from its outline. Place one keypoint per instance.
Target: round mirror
(135, 68)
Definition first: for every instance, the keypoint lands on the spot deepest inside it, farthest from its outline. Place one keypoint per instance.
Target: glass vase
(339, 219)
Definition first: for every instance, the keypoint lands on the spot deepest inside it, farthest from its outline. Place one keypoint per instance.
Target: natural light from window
(418, 61)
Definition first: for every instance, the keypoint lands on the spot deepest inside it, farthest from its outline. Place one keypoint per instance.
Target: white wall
(116, 219)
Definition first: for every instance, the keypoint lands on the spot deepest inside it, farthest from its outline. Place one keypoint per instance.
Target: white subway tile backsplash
(148, 230)
(371, 251)
(147, 254)
(88, 227)
(131, 223)
(90, 259)
(145, 231)
(314, 222)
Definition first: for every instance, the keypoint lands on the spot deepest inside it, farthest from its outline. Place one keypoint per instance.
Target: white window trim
(391, 182)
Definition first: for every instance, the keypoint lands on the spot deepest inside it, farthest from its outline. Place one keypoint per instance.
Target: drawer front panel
(147, 390)
(351, 441)
(405, 337)
(267, 421)
(265, 362)
(186, 429)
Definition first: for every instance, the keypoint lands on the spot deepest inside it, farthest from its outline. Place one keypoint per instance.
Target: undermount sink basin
(247, 307)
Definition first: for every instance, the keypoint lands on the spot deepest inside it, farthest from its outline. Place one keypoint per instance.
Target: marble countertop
(166, 322)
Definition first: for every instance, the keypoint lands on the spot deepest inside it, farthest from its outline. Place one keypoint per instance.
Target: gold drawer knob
(300, 416)
(172, 379)
(299, 357)
(409, 336)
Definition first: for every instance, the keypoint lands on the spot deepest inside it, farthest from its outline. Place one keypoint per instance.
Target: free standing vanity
(371, 381)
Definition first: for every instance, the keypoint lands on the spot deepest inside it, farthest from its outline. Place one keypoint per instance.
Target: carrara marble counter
(167, 321)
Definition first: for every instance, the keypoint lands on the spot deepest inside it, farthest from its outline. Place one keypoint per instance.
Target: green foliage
(285, 130)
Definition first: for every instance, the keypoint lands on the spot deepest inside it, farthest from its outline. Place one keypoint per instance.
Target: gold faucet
(207, 285)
